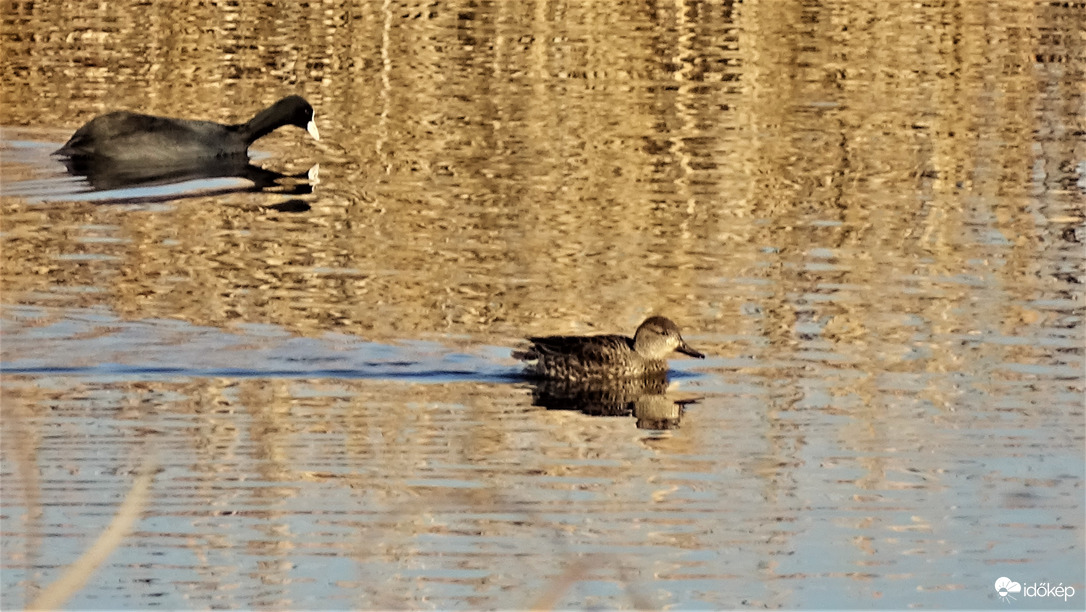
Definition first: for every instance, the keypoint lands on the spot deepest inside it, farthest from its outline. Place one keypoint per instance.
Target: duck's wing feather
(588, 349)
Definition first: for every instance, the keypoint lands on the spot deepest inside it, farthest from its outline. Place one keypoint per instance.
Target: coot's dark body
(127, 137)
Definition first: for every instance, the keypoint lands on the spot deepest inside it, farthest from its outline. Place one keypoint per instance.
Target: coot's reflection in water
(644, 398)
(107, 175)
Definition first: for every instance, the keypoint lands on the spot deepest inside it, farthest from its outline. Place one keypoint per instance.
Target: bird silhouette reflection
(644, 398)
(108, 175)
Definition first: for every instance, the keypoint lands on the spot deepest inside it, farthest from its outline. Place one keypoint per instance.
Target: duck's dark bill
(686, 350)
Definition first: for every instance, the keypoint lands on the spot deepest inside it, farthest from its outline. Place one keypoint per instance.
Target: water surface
(871, 220)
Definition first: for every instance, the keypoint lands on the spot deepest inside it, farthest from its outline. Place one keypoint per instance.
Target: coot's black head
(294, 110)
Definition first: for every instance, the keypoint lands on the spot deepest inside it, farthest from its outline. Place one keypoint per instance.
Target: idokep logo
(1005, 588)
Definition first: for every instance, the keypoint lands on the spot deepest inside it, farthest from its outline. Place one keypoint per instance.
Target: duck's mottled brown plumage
(606, 356)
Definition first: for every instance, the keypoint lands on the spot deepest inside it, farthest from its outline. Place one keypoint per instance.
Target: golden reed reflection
(542, 169)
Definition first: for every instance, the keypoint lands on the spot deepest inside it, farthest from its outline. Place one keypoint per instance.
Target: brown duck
(605, 357)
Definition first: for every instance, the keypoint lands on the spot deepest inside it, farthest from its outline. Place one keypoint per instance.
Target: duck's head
(658, 337)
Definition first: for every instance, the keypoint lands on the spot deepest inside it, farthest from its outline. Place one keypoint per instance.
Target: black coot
(126, 137)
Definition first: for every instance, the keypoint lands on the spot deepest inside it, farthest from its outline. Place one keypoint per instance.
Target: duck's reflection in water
(125, 178)
(644, 398)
